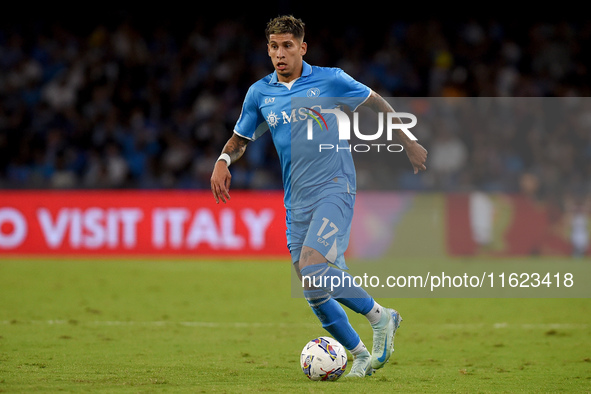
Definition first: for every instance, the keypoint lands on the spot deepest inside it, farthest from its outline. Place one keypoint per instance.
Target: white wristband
(226, 158)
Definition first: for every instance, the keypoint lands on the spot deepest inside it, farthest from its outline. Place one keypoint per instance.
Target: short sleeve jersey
(302, 133)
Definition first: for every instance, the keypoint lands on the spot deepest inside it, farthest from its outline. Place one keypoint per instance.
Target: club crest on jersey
(313, 92)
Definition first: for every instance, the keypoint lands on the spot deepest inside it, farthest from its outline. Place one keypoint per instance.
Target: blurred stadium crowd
(119, 105)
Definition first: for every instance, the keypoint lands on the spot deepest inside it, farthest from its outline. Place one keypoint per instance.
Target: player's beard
(286, 72)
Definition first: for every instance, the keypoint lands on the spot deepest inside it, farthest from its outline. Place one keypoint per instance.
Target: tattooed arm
(220, 178)
(415, 152)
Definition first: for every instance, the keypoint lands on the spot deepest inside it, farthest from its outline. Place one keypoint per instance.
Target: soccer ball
(323, 358)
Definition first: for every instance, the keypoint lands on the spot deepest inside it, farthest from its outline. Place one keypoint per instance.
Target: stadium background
(119, 273)
(126, 100)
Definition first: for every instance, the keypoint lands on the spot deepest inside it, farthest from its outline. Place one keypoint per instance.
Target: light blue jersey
(309, 174)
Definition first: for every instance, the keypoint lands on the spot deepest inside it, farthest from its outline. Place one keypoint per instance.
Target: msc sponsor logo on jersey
(296, 114)
(272, 119)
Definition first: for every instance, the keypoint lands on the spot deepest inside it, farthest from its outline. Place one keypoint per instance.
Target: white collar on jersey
(288, 85)
(306, 70)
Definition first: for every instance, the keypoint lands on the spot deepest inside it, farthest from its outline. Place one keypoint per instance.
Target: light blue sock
(333, 318)
(338, 284)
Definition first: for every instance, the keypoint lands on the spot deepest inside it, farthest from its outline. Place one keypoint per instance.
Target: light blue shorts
(324, 226)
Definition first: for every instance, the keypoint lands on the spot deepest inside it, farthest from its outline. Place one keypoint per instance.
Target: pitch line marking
(210, 324)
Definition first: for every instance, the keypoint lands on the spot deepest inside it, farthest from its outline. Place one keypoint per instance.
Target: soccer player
(319, 187)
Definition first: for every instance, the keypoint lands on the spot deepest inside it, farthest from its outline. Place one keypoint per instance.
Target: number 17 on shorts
(329, 231)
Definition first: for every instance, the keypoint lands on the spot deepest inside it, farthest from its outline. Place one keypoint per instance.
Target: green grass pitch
(205, 326)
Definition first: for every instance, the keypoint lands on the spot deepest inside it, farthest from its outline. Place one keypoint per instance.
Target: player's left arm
(415, 151)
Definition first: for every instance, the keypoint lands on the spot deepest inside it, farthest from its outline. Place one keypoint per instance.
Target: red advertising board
(506, 225)
(252, 224)
(142, 223)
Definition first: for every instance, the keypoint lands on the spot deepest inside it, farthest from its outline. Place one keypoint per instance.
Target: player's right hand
(220, 182)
